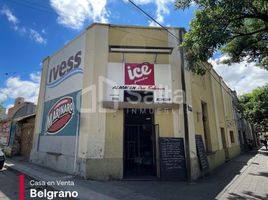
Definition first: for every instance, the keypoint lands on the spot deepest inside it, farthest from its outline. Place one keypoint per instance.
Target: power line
(150, 17)
(34, 6)
(202, 64)
(43, 8)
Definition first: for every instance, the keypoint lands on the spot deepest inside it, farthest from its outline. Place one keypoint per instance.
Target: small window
(232, 137)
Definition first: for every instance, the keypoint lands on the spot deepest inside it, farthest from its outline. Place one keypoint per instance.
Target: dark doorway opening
(205, 121)
(139, 143)
(224, 144)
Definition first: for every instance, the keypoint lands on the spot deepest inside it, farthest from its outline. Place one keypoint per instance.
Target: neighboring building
(20, 108)
(3, 114)
(88, 125)
(10, 137)
(213, 117)
(247, 137)
(25, 133)
(4, 132)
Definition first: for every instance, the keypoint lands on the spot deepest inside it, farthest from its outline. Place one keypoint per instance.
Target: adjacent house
(12, 133)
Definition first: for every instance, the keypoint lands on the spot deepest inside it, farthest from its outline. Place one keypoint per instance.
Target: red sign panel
(139, 74)
(60, 115)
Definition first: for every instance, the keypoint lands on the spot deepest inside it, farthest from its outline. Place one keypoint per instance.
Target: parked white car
(2, 159)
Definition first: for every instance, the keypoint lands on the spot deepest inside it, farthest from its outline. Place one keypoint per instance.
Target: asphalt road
(9, 186)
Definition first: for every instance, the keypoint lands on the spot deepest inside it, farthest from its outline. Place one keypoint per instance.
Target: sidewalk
(245, 177)
(252, 183)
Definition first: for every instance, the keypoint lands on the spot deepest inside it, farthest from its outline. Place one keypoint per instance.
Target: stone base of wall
(216, 159)
(195, 168)
(61, 163)
(104, 169)
(234, 151)
(112, 168)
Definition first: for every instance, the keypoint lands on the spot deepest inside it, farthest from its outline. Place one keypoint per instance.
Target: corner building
(110, 107)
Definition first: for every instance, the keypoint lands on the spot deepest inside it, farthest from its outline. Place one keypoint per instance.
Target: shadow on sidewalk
(247, 196)
(265, 174)
(206, 188)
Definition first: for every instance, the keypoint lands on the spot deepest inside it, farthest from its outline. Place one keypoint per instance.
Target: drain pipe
(185, 114)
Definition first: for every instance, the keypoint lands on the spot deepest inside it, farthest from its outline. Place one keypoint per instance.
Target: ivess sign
(65, 68)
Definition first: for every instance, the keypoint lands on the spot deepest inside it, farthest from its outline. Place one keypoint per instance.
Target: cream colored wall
(114, 142)
(164, 119)
(138, 37)
(202, 91)
(176, 64)
(168, 125)
(229, 116)
(211, 89)
(40, 105)
(92, 126)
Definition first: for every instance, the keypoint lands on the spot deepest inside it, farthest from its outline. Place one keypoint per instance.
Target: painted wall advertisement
(60, 123)
(64, 82)
(61, 115)
(139, 77)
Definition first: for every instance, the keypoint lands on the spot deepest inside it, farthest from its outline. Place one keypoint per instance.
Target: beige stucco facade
(211, 90)
(99, 149)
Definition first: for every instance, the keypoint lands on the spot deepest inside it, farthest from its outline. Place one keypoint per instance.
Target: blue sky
(33, 29)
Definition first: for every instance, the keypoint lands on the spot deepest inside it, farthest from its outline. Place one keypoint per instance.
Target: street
(244, 177)
(9, 185)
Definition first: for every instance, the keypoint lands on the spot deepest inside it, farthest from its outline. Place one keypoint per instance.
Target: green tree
(255, 106)
(239, 28)
(1, 108)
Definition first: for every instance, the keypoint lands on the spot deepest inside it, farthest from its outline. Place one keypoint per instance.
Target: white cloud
(21, 30)
(73, 14)
(9, 15)
(242, 77)
(37, 37)
(3, 97)
(16, 87)
(35, 77)
(15, 24)
(161, 9)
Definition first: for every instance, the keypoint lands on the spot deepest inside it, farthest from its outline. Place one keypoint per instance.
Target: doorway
(224, 144)
(205, 122)
(139, 143)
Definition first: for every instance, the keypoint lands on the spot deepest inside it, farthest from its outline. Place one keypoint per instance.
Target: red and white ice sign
(139, 74)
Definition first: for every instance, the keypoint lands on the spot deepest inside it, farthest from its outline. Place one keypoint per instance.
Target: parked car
(2, 159)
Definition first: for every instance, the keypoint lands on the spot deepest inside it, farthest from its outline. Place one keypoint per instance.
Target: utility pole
(185, 113)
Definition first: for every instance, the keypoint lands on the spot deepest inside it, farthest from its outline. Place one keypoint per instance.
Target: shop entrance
(139, 143)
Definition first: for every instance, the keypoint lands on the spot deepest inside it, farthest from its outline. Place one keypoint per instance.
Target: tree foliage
(239, 28)
(1, 108)
(255, 106)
